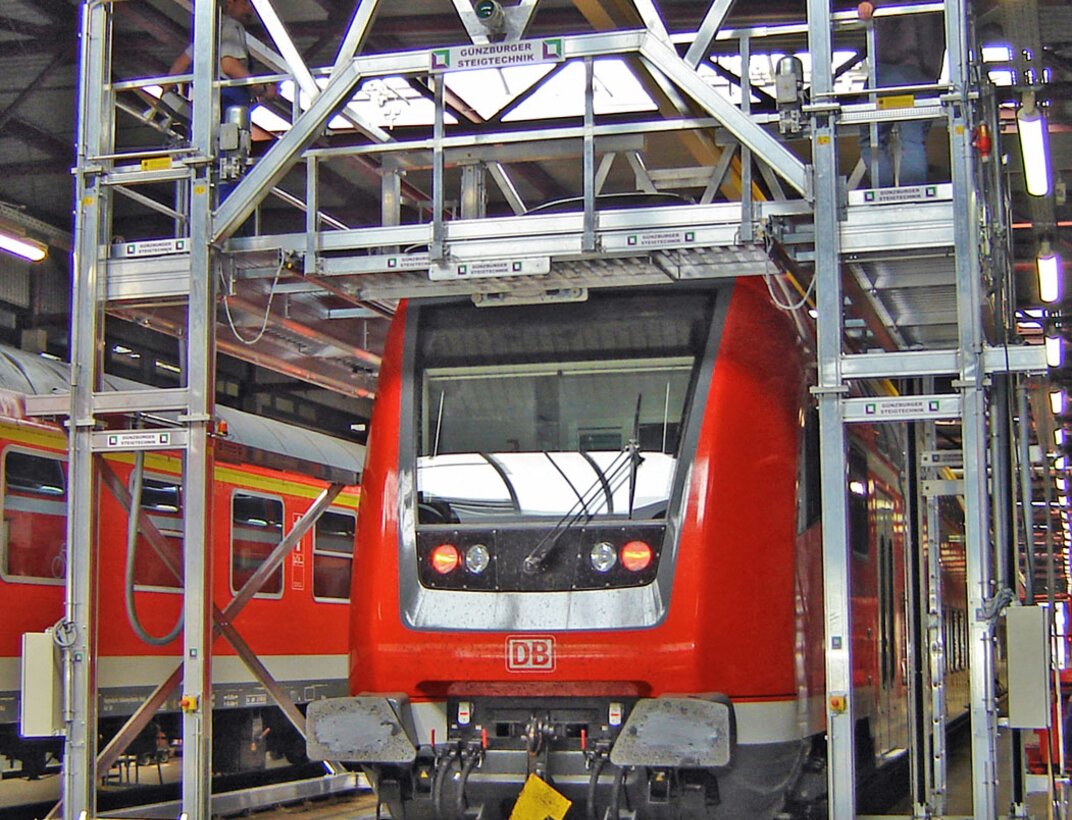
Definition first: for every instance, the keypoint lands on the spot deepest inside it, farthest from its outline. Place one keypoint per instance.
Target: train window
(947, 637)
(522, 412)
(333, 555)
(886, 612)
(809, 478)
(954, 630)
(35, 517)
(162, 501)
(256, 530)
(859, 529)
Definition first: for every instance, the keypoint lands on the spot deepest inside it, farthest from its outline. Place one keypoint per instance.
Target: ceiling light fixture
(1034, 147)
(1053, 351)
(23, 246)
(1049, 279)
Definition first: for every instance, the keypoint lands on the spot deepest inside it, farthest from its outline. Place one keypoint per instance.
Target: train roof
(249, 438)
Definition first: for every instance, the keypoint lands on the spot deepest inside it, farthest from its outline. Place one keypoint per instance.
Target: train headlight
(477, 558)
(603, 556)
(636, 555)
(445, 558)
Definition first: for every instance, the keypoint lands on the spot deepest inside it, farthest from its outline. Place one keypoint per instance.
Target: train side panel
(298, 629)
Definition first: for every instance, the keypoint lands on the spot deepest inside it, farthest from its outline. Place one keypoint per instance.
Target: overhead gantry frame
(561, 252)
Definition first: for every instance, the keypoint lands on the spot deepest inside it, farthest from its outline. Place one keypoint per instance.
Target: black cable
(441, 773)
(616, 795)
(593, 784)
(459, 799)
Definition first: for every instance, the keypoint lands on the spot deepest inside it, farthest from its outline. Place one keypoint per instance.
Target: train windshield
(541, 412)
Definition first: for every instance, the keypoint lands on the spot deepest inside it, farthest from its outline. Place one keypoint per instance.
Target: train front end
(540, 602)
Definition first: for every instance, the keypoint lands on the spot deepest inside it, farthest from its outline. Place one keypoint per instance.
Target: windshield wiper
(635, 459)
(536, 560)
(572, 486)
(630, 456)
(608, 494)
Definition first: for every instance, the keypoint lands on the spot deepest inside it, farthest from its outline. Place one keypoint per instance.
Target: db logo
(533, 653)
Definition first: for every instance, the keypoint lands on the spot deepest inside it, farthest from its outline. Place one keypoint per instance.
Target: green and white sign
(902, 409)
(497, 55)
(490, 269)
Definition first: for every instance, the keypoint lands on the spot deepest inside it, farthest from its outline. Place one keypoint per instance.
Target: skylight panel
(487, 90)
(384, 101)
(616, 91)
(264, 117)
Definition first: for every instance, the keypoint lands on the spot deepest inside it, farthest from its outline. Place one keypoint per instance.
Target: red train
(297, 624)
(589, 551)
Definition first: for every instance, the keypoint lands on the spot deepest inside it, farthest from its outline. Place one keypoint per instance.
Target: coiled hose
(132, 545)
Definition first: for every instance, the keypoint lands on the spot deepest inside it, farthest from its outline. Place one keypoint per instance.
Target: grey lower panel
(123, 702)
(676, 732)
(361, 729)
(249, 800)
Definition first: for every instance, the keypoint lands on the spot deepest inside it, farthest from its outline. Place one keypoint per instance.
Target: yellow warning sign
(896, 101)
(156, 164)
(538, 801)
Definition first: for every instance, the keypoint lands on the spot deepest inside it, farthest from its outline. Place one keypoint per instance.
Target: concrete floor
(959, 783)
(14, 792)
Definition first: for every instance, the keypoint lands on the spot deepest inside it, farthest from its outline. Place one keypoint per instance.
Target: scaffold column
(840, 709)
(971, 384)
(95, 139)
(197, 473)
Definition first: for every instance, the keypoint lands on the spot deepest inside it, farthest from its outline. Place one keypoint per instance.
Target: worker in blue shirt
(234, 57)
(909, 50)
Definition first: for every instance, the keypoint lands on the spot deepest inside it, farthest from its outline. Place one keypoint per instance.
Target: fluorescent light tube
(1053, 351)
(1049, 278)
(21, 246)
(1034, 148)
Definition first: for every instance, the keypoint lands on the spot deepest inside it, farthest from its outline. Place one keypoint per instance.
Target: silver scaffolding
(564, 252)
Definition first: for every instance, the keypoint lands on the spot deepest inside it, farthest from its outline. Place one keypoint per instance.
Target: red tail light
(445, 558)
(636, 555)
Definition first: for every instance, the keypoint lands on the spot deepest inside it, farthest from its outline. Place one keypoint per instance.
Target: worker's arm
(180, 66)
(236, 70)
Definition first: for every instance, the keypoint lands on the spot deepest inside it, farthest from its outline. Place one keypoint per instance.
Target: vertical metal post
(438, 250)
(197, 475)
(1026, 495)
(182, 207)
(840, 710)
(746, 152)
(872, 127)
(589, 240)
(312, 213)
(916, 576)
(474, 199)
(971, 384)
(1000, 484)
(93, 212)
(391, 196)
(935, 635)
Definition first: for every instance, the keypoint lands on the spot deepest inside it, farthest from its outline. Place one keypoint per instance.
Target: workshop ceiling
(39, 51)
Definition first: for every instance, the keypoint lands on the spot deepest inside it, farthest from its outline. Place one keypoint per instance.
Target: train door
(890, 731)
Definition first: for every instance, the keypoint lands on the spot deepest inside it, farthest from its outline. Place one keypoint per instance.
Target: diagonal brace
(222, 620)
(765, 148)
